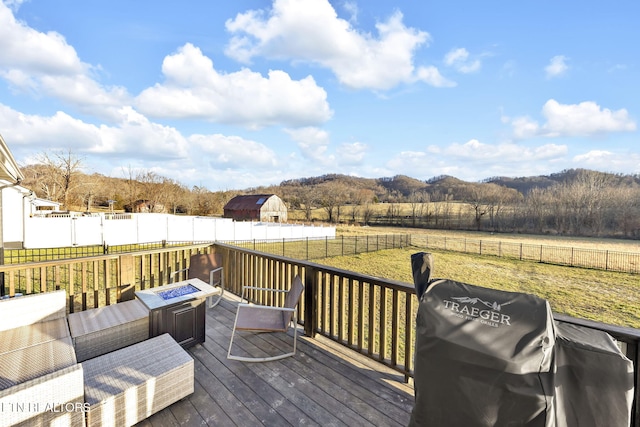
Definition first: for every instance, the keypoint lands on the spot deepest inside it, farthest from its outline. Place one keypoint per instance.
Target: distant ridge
(402, 186)
(526, 184)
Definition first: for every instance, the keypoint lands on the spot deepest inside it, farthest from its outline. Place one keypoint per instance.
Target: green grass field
(603, 296)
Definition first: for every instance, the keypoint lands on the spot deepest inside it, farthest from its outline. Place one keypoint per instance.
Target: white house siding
(14, 202)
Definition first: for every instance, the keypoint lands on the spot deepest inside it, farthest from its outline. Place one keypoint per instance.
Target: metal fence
(318, 248)
(624, 262)
(304, 249)
(20, 256)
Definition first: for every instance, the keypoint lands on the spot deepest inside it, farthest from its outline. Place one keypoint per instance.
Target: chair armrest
(256, 288)
(214, 271)
(265, 307)
(178, 271)
(264, 289)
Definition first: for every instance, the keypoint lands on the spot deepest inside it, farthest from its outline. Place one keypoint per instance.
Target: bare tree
(499, 197)
(359, 198)
(477, 196)
(308, 200)
(417, 205)
(61, 170)
(537, 208)
(331, 196)
(367, 213)
(624, 206)
(132, 187)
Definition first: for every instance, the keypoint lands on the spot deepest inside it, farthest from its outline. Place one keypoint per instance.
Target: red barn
(256, 207)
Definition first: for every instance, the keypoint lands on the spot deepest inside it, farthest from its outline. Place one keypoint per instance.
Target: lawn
(603, 296)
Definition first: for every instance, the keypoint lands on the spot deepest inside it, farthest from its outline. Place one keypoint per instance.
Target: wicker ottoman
(129, 385)
(101, 330)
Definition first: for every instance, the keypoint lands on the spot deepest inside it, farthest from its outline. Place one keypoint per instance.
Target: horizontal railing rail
(371, 315)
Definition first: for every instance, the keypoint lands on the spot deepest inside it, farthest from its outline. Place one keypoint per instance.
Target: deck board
(324, 384)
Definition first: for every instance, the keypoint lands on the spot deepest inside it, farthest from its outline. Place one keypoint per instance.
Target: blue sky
(237, 94)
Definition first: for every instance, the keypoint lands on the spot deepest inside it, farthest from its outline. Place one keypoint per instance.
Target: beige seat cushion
(26, 336)
(27, 363)
(97, 319)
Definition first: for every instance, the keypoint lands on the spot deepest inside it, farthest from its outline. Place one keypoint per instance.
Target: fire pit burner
(177, 292)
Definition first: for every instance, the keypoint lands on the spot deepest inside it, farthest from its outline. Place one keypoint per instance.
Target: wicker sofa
(41, 382)
(123, 378)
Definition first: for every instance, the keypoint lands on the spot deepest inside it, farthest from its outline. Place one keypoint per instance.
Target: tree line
(572, 202)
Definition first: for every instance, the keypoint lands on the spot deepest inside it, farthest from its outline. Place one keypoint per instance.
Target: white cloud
(506, 152)
(586, 118)
(310, 30)
(557, 67)
(475, 160)
(608, 161)
(194, 89)
(351, 153)
(583, 119)
(34, 52)
(409, 161)
(56, 132)
(459, 59)
(525, 127)
(133, 135)
(313, 142)
(13, 4)
(43, 63)
(150, 146)
(351, 8)
(509, 69)
(223, 152)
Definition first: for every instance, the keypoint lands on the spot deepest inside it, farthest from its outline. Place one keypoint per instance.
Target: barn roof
(247, 202)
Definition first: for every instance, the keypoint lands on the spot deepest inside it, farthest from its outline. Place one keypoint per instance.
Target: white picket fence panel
(121, 229)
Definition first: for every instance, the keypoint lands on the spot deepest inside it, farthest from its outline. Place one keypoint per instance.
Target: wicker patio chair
(208, 268)
(266, 318)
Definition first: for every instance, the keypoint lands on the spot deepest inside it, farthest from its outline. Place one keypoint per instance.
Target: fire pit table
(178, 309)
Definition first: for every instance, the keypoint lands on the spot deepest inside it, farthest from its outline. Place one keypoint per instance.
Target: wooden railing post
(635, 357)
(310, 302)
(127, 270)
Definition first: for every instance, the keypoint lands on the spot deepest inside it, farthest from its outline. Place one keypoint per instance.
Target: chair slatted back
(200, 266)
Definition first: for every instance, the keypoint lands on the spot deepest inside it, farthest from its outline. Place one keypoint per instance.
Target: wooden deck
(324, 384)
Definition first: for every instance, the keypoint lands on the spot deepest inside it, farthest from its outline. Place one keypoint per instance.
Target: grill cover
(484, 357)
(594, 379)
(487, 357)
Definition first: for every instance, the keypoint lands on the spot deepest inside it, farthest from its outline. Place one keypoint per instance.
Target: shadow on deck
(324, 384)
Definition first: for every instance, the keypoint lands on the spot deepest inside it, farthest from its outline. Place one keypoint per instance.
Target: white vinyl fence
(120, 229)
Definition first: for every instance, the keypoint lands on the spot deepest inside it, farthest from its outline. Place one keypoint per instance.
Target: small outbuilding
(256, 207)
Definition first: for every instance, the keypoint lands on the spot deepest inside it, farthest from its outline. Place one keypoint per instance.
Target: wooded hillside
(576, 201)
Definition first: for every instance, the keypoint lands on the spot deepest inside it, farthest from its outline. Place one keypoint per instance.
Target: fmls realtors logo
(465, 308)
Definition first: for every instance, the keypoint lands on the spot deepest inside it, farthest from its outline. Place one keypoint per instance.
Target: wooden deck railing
(371, 315)
(100, 280)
